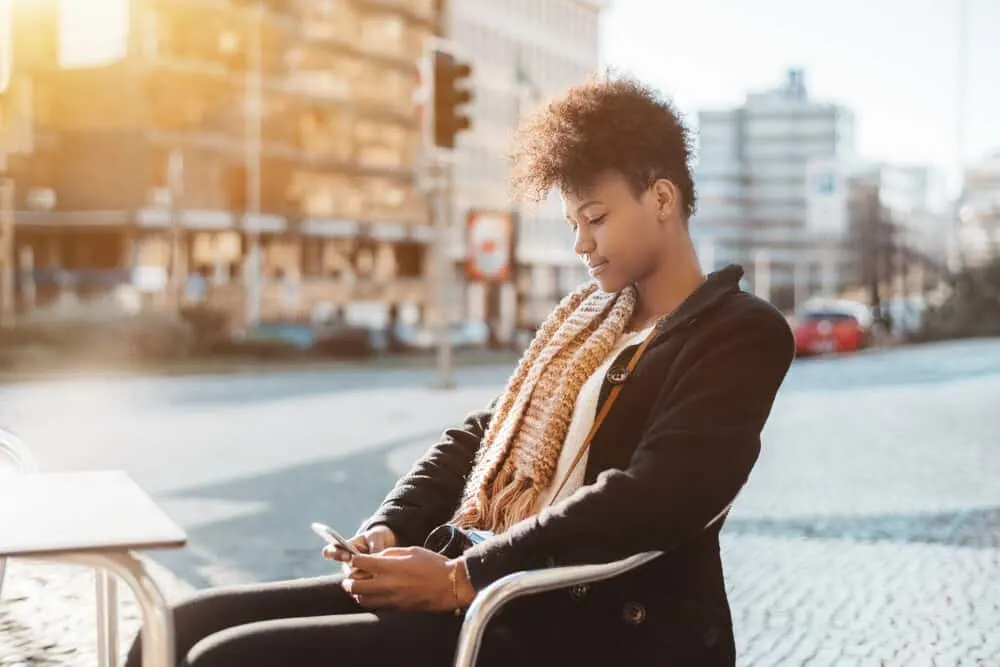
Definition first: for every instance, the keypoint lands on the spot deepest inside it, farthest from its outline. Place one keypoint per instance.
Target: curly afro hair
(611, 123)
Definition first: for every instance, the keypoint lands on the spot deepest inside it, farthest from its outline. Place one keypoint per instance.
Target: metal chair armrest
(14, 449)
(492, 598)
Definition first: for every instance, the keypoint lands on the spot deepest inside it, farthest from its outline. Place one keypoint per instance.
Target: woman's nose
(584, 242)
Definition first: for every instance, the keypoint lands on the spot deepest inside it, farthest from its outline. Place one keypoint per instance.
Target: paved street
(868, 535)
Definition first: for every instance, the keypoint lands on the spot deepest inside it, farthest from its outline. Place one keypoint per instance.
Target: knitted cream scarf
(518, 456)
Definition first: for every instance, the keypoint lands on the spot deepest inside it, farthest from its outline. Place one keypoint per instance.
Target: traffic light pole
(7, 250)
(175, 185)
(433, 177)
(446, 91)
(442, 272)
(253, 103)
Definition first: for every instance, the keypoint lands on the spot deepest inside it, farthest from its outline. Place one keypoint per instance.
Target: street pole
(435, 176)
(253, 136)
(874, 254)
(175, 185)
(762, 274)
(962, 81)
(443, 270)
(7, 251)
(800, 286)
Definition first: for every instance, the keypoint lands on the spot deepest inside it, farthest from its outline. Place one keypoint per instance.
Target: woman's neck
(669, 285)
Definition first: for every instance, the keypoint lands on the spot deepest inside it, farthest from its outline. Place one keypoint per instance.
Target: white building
(916, 199)
(887, 220)
(753, 181)
(522, 52)
(979, 213)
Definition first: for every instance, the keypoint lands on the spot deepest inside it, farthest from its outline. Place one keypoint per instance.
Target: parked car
(268, 340)
(349, 341)
(833, 328)
(464, 335)
(298, 339)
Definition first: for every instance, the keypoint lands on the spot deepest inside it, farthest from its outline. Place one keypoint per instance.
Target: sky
(894, 62)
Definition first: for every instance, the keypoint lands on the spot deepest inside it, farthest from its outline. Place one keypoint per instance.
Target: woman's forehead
(604, 189)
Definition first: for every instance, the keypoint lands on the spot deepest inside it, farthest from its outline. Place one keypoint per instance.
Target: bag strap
(605, 409)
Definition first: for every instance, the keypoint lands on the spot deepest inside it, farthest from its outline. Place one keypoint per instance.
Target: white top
(584, 414)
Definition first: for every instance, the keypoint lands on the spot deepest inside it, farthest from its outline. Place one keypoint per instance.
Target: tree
(972, 309)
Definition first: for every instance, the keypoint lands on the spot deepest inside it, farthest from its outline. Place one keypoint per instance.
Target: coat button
(579, 592)
(633, 613)
(617, 375)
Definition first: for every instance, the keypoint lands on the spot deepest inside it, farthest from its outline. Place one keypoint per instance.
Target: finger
(355, 573)
(334, 552)
(370, 564)
(368, 586)
(397, 552)
(362, 544)
(331, 552)
(350, 570)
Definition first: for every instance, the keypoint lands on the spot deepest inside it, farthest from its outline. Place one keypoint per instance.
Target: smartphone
(333, 537)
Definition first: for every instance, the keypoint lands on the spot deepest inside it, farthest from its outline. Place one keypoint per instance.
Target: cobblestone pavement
(869, 533)
(47, 615)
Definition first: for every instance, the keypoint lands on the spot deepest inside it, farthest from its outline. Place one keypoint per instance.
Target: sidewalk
(48, 615)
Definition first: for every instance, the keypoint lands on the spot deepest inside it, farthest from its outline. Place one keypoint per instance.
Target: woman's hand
(372, 541)
(410, 579)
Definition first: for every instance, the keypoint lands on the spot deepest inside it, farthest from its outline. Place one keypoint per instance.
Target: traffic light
(451, 93)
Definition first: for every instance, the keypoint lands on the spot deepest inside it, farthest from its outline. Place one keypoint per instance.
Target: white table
(97, 519)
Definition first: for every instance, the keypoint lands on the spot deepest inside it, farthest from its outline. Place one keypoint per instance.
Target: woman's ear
(667, 197)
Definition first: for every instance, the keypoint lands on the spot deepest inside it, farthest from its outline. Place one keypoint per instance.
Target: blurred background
(242, 240)
(260, 169)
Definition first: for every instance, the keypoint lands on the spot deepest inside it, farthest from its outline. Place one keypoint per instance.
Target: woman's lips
(597, 269)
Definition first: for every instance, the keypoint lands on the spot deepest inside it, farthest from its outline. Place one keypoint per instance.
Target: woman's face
(618, 236)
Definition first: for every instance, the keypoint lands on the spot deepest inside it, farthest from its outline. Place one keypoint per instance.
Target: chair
(491, 599)
(13, 449)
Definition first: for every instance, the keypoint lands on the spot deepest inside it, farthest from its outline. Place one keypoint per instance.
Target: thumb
(363, 544)
(370, 564)
(376, 543)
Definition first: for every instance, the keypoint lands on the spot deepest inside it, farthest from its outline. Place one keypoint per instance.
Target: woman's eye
(598, 220)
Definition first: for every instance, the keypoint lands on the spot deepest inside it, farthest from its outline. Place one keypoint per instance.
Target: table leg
(107, 618)
(157, 620)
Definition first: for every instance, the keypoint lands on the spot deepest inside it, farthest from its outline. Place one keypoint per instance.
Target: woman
(670, 456)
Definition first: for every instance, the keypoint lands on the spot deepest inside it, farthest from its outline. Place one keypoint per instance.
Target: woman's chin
(610, 284)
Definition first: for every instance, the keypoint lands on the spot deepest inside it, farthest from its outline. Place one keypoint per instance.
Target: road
(869, 532)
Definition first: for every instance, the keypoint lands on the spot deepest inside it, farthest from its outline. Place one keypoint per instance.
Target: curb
(193, 368)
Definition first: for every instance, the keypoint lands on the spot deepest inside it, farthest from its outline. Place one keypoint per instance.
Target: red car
(829, 332)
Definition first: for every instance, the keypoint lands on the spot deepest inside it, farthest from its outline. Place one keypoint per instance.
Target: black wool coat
(673, 452)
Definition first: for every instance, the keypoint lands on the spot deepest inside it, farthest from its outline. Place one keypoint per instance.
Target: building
(753, 179)
(522, 52)
(160, 147)
(886, 226)
(979, 213)
(916, 203)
